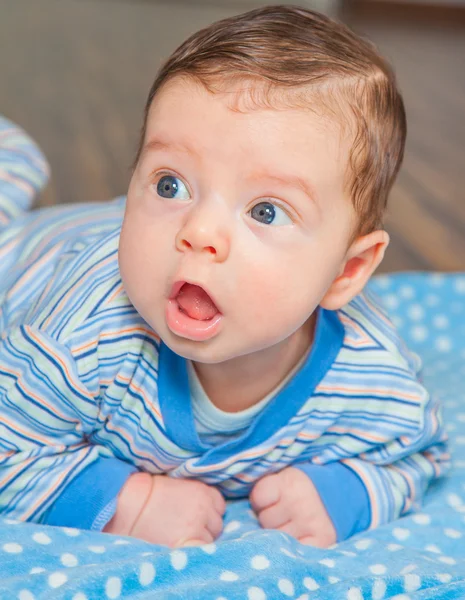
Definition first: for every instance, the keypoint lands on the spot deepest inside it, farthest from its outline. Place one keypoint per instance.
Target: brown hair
(292, 48)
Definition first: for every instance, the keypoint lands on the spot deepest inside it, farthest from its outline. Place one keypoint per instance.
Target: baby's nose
(207, 238)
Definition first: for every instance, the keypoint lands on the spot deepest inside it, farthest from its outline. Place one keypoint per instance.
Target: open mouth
(191, 312)
(196, 303)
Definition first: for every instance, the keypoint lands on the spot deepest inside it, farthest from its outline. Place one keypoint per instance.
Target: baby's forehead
(249, 95)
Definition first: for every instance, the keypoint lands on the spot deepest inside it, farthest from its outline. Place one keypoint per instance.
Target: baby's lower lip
(184, 326)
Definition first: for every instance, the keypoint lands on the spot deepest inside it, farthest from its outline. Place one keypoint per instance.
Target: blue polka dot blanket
(421, 556)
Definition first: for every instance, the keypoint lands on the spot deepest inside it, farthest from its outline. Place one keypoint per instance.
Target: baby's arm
(356, 493)
(23, 171)
(47, 413)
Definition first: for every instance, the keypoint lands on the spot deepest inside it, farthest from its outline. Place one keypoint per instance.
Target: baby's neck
(241, 382)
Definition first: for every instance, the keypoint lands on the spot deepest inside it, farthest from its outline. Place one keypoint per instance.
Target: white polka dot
(378, 590)
(401, 533)
(407, 292)
(97, 549)
(432, 548)
(11, 521)
(121, 542)
(41, 538)
(287, 553)
(229, 576)
(408, 569)
(310, 584)
(332, 580)
(454, 500)
(256, 593)
(419, 333)
(444, 577)
(421, 519)
(113, 587)
(178, 559)
(448, 560)
(452, 533)
(12, 548)
(432, 300)
(80, 596)
(411, 582)
(57, 579)
(286, 587)
(25, 595)
(441, 321)
(416, 312)
(36, 570)
(383, 281)
(260, 562)
(443, 344)
(70, 531)
(354, 593)
(391, 301)
(146, 573)
(303, 597)
(232, 526)
(394, 547)
(327, 562)
(209, 548)
(68, 560)
(436, 279)
(460, 285)
(401, 597)
(378, 569)
(460, 417)
(347, 553)
(363, 544)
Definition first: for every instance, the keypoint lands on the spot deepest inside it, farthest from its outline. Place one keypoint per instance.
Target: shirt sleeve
(24, 171)
(386, 482)
(77, 508)
(46, 416)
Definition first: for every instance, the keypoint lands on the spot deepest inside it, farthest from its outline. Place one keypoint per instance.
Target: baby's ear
(362, 258)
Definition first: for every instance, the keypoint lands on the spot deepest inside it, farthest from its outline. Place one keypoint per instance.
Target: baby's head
(270, 143)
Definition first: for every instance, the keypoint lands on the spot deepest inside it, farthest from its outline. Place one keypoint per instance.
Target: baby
(208, 337)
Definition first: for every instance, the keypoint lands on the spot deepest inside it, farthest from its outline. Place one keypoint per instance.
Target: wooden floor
(75, 74)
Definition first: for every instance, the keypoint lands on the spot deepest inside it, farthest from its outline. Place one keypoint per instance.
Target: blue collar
(175, 403)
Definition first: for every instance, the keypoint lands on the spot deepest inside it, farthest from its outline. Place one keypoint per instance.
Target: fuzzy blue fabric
(421, 556)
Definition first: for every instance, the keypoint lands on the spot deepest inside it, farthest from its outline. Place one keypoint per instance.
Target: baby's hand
(289, 502)
(171, 512)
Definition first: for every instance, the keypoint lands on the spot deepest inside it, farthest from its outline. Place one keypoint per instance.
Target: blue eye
(170, 186)
(270, 214)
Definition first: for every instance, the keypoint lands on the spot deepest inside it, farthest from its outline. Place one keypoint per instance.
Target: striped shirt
(89, 393)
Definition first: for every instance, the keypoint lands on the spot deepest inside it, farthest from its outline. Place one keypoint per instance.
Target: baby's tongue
(196, 302)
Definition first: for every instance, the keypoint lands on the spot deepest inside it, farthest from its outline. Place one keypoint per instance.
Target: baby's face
(249, 206)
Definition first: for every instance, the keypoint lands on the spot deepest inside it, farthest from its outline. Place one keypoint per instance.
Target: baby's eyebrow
(289, 180)
(159, 144)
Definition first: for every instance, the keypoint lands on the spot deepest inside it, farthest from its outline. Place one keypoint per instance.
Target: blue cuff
(89, 501)
(344, 496)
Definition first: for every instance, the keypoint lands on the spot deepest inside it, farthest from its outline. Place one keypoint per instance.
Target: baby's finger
(219, 503)
(274, 516)
(214, 524)
(266, 492)
(186, 542)
(315, 540)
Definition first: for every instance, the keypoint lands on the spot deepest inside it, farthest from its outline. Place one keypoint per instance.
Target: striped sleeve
(397, 475)
(46, 414)
(385, 483)
(23, 171)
